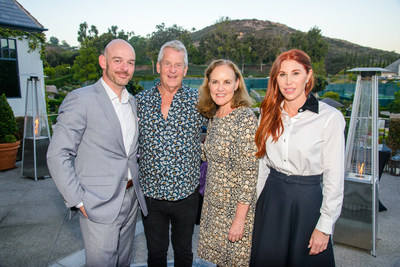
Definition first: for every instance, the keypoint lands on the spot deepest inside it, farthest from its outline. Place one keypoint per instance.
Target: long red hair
(270, 109)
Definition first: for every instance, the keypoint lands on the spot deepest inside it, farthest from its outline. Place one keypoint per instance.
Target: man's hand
(82, 209)
(237, 230)
(318, 242)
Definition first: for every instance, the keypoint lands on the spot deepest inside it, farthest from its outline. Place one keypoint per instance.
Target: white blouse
(311, 144)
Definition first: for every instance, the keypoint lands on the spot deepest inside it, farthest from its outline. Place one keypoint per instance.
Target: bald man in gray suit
(92, 158)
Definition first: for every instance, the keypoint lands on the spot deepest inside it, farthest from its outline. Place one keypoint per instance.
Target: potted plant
(8, 142)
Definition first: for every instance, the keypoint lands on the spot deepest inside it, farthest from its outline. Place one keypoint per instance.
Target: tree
(355, 60)
(224, 42)
(320, 83)
(93, 31)
(267, 49)
(86, 65)
(82, 32)
(319, 76)
(394, 106)
(245, 49)
(297, 40)
(163, 35)
(134, 87)
(220, 43)
(317, 46)
(139, 44)
(311, 42)
(54, 40)
(57, 55)
(318, 68)
(65, 44)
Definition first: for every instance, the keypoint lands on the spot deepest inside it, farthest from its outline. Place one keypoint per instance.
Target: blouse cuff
(325, 225)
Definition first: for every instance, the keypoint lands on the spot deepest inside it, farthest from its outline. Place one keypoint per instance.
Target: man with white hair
(169, 147)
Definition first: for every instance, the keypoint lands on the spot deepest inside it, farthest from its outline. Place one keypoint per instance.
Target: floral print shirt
(169, 149)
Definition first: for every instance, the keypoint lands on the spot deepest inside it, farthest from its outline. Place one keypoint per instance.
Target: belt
(296, 179)
(129, 184)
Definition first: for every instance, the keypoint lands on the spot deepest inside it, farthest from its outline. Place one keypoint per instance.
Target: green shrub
(20, 134)
(134, 87)
(8, 124)
(320, 83)
(20, 127)
(60, 82)
(394, 135)
(333, 95)
(53, 105)
(9, 138)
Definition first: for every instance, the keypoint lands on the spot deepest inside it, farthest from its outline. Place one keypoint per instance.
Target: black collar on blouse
(311, 104)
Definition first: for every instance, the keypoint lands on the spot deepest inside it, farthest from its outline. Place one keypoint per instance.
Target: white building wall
(31, 64)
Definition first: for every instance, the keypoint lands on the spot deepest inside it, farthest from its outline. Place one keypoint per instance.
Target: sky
(370, 23)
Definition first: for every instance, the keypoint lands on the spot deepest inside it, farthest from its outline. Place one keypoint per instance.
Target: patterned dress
(231, 178)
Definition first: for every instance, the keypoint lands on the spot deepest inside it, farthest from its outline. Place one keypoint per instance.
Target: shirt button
(126, 178)
(301, 110)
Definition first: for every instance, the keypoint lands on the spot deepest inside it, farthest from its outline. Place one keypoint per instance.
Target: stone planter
(8, 155)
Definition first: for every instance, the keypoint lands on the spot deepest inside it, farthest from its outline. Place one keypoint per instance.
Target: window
(9, 79)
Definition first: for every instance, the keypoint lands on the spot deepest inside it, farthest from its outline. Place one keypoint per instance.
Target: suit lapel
(109, 113)
(132, 102)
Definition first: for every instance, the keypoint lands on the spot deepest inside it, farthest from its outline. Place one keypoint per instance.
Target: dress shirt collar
(311, 104)
(113, 96)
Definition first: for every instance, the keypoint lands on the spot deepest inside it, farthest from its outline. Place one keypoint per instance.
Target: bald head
(117, 44)
(118, 64)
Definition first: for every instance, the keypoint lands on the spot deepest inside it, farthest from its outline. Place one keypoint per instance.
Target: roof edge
(22, 27)
(29, 14)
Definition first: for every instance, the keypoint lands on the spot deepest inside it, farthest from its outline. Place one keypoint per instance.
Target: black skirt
(287, 212)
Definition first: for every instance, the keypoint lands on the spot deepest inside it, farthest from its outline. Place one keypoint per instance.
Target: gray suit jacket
(87, 158)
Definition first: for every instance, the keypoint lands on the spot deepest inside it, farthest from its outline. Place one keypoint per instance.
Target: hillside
(252, 27)
(336, 56)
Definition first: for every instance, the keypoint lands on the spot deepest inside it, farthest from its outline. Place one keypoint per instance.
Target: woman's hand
(237, 230)
(318, 242)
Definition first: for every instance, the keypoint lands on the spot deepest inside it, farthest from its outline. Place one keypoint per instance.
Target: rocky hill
(339, 52)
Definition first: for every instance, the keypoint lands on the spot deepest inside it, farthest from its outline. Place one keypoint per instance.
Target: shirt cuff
(79, 205)
(324, 225)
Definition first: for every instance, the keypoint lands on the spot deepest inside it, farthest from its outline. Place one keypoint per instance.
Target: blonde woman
(229, 199)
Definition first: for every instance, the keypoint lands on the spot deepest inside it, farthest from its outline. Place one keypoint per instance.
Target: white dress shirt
(124, 112)
(125, 116)
(311, 144)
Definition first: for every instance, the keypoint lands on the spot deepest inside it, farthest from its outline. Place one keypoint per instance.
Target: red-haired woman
(300, 142)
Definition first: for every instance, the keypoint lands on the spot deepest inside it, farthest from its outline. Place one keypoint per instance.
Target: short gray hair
(177, 46)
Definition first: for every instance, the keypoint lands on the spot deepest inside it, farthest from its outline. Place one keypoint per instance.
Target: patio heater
(36, 131)
(357, 225)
